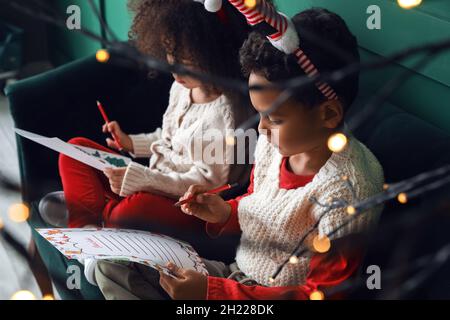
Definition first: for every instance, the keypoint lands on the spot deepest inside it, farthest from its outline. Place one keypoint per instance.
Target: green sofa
(62, 103)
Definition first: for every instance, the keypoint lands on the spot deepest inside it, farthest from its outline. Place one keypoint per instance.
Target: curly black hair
(260, 56)
(186, 31)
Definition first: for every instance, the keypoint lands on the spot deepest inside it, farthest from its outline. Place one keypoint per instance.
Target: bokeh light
(102, 56)
(337, 142)
(18, 212)
(408, 4)
(23, 295)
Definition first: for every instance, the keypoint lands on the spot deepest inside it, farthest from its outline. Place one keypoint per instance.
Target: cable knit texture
(174, 162)
(273, 219)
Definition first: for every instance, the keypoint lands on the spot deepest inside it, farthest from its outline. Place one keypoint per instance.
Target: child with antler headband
(296, 179)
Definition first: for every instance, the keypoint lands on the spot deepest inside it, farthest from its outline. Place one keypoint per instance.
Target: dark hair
(186, 30)
(260, 56)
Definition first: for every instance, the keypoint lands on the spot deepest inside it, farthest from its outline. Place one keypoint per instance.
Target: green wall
(426, 94)
(69, 45)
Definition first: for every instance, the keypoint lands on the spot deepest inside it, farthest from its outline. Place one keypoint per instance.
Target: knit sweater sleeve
(326, 271)
(172, 182)
(337, 223)
(142, 142)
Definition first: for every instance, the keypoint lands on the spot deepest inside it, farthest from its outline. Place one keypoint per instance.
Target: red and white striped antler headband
(284, 39)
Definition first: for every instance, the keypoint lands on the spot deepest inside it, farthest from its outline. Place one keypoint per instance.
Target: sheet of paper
(94, 158)
(143, 247)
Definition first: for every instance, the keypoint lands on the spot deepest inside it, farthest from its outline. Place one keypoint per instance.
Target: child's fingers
(177, 271)
(195, 189)
(114, 127)
(107, 172)
(208, 199)
(111, 143)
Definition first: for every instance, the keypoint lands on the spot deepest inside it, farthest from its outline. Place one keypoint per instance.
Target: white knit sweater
(273, 220)
(173, 165)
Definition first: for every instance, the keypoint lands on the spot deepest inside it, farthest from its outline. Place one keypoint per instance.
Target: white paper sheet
(143, 247)
(95, 158)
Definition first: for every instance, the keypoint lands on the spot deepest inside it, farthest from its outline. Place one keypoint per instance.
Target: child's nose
(262, 129)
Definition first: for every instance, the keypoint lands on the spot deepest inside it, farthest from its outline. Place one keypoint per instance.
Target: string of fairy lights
(402, 191)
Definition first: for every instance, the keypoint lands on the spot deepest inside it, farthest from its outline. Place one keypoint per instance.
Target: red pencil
(217, 190)
(105, 117)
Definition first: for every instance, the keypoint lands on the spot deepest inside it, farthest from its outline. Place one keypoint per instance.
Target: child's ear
(331, 113)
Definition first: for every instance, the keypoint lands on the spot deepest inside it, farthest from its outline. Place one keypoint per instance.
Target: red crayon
(217, 190)
(105, 117)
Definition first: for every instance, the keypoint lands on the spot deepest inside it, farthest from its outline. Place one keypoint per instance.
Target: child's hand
(115, 177)
(190, 285)
(113, 127)
(208, 207)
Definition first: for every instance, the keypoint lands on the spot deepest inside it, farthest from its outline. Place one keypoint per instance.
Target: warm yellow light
(48, 297)
(345, 178)
(408, 4)
(102, 56)
(337, 142)
(23, 295)
(18, 212)
(351, 210)
(2, 224)
(230, 140)
(317, 295)
(321, 244)
(385, 186)
(402, 198)
(293, 260)
(251, 3)
(271, 280)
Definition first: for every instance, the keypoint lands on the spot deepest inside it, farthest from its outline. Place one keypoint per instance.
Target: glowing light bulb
(23, 295)
(18, 212)
(271, 280)
(385, 186)
(321, 244)
(250, 3)
(317, 295)
(337, 142)
(293, 260)
(402, 198)
(345, 178)
(351, 210)
(48, 297)
(102, 56)
(409, 4)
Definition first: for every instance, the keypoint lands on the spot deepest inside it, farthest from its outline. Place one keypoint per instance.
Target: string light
(385, 186)
(408, 4)
(18, 212)
(102, 56)
(271, 280)
(293, 260)
(321, 244)
(402, 198)
(23, 295)
(351, 210)
(337, 142)
(48, 297)
(317, 295)
(250, 3)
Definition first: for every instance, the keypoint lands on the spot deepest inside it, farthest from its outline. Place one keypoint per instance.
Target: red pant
(90, 201)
